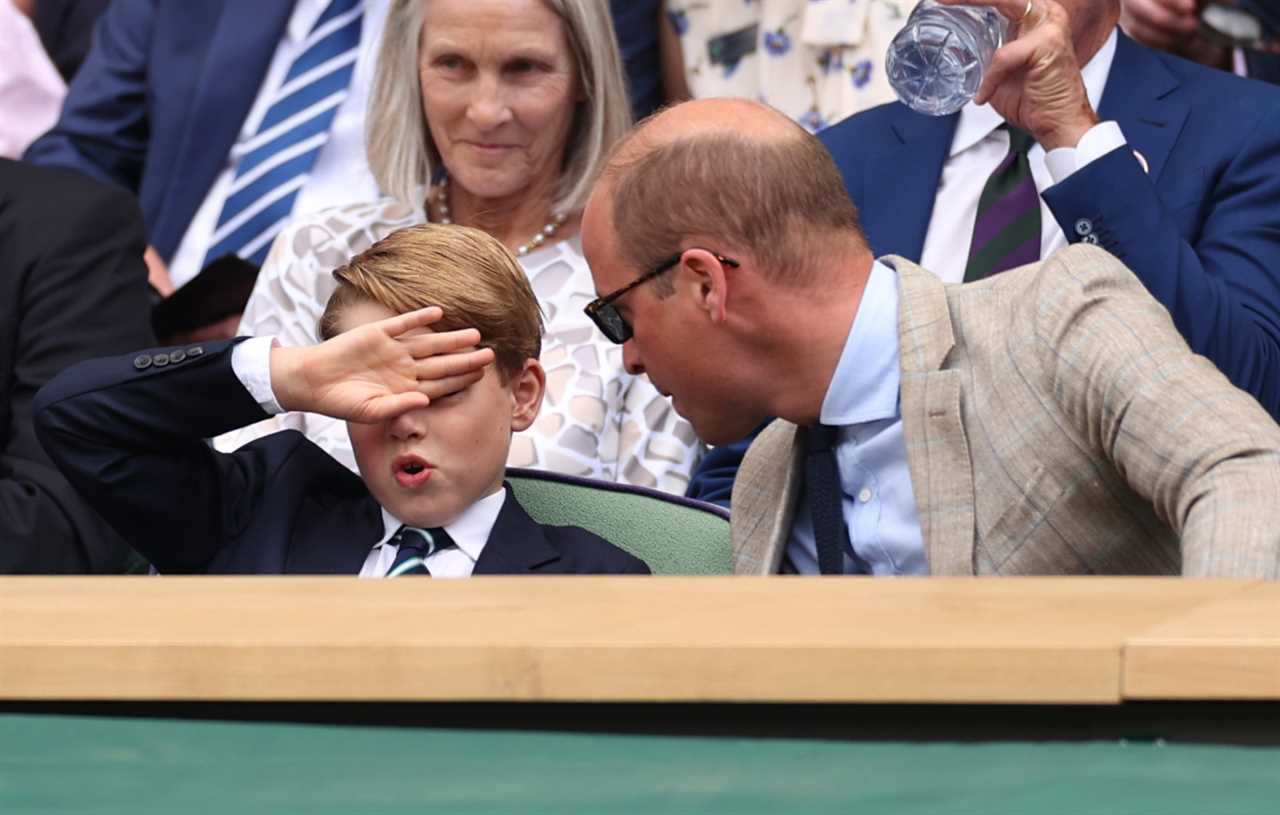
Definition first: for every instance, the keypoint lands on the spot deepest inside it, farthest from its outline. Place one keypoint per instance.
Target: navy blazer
(128, 433)
(160, 98)
(72, 285)
(1201, 229)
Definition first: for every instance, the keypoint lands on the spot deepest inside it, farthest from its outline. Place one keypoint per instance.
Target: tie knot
(1020, 141)
(422, 543)
(820, 438)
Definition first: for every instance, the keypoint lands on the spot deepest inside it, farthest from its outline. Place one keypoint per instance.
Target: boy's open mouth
(411, 471)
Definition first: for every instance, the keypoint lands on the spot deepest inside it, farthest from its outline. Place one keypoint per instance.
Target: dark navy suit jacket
(1201, 229)
(128, 433)
(72, 285)
(160, 98)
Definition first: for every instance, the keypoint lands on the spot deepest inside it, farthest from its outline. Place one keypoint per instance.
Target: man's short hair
(468, 273)
(775, 197)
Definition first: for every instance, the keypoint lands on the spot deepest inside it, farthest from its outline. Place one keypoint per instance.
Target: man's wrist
(1101, 139)
(1068, 135)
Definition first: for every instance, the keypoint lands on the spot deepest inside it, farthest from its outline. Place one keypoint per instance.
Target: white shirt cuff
(1101, 139)
(251, 363)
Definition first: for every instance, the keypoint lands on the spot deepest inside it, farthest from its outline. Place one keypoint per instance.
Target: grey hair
(401, 152)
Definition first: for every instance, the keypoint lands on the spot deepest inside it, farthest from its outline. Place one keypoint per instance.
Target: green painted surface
(53, 764)
(671, 538)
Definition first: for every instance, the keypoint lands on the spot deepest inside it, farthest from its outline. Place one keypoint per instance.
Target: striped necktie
(275, 162)
(416, 545)
(1006, 232)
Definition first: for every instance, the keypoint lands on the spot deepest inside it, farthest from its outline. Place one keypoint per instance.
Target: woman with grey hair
(494, 114)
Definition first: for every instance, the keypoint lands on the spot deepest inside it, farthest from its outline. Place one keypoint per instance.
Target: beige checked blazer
(1055, 423)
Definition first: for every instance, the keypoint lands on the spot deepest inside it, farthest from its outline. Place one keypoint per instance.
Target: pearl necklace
(540, 237)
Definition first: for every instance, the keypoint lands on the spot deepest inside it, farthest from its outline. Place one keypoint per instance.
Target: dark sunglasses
(605, 315)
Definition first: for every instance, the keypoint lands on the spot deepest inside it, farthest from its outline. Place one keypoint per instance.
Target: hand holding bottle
(1034, 79)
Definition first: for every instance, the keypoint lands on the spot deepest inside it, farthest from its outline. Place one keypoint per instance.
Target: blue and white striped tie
(274, 164)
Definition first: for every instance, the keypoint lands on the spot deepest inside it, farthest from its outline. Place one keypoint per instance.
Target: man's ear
(527, 387)
(708, 282)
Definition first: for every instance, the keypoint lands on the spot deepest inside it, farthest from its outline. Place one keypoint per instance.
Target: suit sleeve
(1221, 283)
(104, 128)
(129, 434)
(84, 293)
(1203, 453)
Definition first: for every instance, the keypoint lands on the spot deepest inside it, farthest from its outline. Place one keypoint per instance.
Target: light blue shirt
(863, 401)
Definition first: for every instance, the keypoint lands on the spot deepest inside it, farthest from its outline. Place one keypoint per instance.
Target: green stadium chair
(673, 535)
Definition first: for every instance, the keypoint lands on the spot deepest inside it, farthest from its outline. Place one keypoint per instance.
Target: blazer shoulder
(865, 129)
(1088, 268)
(61, 194)
(1210, 83)
(589, 553)
(1074, 280)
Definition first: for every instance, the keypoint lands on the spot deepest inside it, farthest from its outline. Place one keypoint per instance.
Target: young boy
(430, 355)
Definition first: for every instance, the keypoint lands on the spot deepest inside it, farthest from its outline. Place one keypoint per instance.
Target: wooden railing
(1044, 641)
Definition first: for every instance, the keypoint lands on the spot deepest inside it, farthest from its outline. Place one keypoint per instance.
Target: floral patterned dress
(597, 420)
(818, 61)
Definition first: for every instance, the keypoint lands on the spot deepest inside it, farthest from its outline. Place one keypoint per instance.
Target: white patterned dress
(597, 420)
(817, 61)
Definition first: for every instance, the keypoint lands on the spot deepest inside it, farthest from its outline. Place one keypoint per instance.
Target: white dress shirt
(251, 363)
(470, 531)
(979, 146)
(340, 174)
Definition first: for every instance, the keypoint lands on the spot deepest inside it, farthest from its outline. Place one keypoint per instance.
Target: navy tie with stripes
(274, 164)
(416, 545)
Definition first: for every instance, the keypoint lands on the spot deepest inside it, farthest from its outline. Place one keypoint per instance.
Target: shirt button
(865, 495)
(160, 360)
(142, 362)
(177, 356)
(1083, 227)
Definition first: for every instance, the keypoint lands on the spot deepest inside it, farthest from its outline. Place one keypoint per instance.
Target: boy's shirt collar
(470, 530)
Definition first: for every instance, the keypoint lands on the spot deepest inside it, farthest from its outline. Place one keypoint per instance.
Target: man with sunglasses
(1048, 420)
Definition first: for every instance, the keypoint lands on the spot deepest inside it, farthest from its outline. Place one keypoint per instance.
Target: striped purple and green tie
(1006, 232)
(275, 163)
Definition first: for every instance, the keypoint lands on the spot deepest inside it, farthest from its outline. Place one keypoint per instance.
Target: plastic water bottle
(936, 62)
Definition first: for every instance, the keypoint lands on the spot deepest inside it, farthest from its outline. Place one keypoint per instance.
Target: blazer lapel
(901, 183)
(334, 538)
(240, 50)
(933, 425)
(517, 544)
(765, 493)
(1137, 97)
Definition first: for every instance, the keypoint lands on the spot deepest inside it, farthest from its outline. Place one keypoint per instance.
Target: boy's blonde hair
(468, 273)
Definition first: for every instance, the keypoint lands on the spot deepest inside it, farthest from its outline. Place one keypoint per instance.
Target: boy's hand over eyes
(380, 370)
